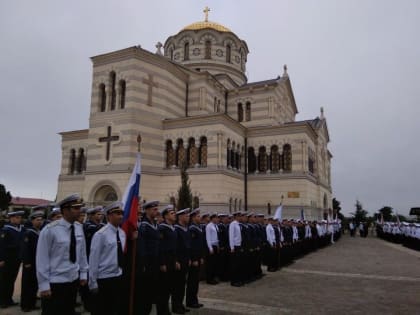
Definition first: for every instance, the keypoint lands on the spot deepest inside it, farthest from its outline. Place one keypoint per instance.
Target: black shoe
(186, 310)
(237, 284)
(178, 311)
(26, 310)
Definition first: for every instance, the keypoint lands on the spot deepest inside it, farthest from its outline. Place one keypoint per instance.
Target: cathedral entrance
(105, 195)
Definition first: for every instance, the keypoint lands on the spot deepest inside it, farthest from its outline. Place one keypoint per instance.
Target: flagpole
(133, 255)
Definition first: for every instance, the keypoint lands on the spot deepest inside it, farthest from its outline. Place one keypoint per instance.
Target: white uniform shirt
(271, 236)
(53, 263)
(235, 237)
(212, 237)
(103, 259)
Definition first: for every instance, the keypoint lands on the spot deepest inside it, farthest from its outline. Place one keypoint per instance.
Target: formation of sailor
(404, 233)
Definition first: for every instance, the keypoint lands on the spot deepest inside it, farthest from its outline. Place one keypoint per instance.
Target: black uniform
(147, 267)
(183, 258)
(167, 257)
(29, 280)
(224, 251)
(10, 252)
(196, 255)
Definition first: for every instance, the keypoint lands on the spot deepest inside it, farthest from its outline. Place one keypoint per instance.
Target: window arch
(172, 201)
(170, 154)
(237, 157)
(230, 205)
(215, 104)
(228, 153)
(196, 202)
(102, 97)
(203, 152)
(233, 155)
(240, 112)
(122, 86)
(235, 205)
(171, 53)
(287, 157)
(187, 51)
(72, 165)
(180, 153)
(268, 208)
(262, 160)
(112, 78)
(207, 49)
(248, 111)
(252, 167)
(228, 53)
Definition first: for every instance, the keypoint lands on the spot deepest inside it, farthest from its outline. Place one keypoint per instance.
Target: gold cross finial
(206, 12)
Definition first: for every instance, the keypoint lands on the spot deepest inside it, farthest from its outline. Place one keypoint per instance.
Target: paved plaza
(354, 276)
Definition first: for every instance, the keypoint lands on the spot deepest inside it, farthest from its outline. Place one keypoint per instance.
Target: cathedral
(191, 104)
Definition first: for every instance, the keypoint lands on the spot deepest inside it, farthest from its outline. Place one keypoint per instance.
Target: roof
(415, 211)
(206, 24)
(19, 201)
(265, 82)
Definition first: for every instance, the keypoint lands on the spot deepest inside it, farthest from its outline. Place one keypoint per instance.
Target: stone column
(257, 162)
(282, 160)
(197, 147)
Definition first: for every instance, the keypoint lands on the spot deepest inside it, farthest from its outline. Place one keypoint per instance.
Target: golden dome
(206, 24)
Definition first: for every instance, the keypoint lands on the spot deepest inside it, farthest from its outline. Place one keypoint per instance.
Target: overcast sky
(359, 59)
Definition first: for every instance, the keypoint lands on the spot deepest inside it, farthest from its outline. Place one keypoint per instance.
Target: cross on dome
(206, 12)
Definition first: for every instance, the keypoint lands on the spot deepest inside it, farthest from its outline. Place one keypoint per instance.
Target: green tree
(360, 215)
(386, 212)
(337, 208)
(184, 192)
(5, 198)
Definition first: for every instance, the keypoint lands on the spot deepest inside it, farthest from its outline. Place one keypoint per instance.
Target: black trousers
(29, 288)
(166, 282)
(62, 300)
(213, 265)
(236, 266)
(108, 300)
(8, 275)
(178, 292)
(193, 281)
(145, 291)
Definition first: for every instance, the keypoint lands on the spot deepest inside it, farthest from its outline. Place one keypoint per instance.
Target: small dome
(206, 24)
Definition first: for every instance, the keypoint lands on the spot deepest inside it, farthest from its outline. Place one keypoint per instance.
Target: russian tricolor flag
(131, 199)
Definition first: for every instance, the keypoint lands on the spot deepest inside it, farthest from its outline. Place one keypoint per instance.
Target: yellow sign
(293, 194)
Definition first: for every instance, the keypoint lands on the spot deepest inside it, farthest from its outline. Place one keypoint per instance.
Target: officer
(213, 258)
(147, 260)
(61, 262)
(197, 259)
(11, 236)
(29, 281)
(167, 258)
(183, 258)
(106, 263)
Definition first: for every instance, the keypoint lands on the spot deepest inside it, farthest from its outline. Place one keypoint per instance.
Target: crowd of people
(404, 233)
(363, 228)
(86, 252)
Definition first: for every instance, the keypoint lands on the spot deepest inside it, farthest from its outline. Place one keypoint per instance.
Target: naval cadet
(106, 263)
(167, 258)
(11, 236)
(236, 249)
(212, 238)
(197, 259)
(223, 226)
(147, 260)
(61, 262)
(183, 247)
(93, 225)
(29, 281)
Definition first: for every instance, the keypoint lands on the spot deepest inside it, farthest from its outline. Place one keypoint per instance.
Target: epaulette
(102, 229)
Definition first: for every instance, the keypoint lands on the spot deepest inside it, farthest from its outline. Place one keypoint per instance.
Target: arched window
(232, 155)
(122, 94)
(240, 204)
(207, 49)
(203, 152)
(72, 162)
(237, 157)
(102, 97)
(287, 157)
(172, 201)
(230, 205)
(228, 53)
(269, 208)
(262, 160)
(236, 204)
(180, 153)
(112, 78)
(196, 202)
(274, 159)
(80, 167)
(192, 153)
(252, 166)
(228, 153)
(248, 111)
(215, 104)
(187, 51)
(170, 154)
(240, 112)
(171, 53)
